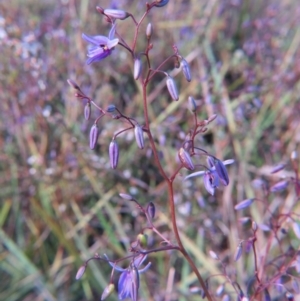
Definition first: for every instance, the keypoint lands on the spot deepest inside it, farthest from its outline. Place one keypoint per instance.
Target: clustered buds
(113, 154)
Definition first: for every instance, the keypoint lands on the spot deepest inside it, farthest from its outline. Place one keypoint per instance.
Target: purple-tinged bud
(139, 136)
(108, 291)
(238, 252)
(264, 227)
(278, 168)
(137, 68)
(244, 204)
(210, 162)
(186, 70)
(161, 3)
(220, 290)
(171, 85)
(192, 104)
(222, 172)
(87, 111)
(111, 109)
(94, 134)
(213, 255)
(151, 210)
(185, 159)
(279, 186)
(73, 84)
(149, 30)
(212, 118)
(126, 196)
(80, 272)
(116, 14)
(114, 154)
(254, 226)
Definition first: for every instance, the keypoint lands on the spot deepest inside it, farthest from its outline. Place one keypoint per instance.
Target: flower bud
(149, 31)
(238, 252)
(116, 14)
(151, 210)
(80, 272)
(161, 3)
(73, 84)
(111, 109)
(139, 136)
(108, 291)
(137, 68)
(243, 204)
(113, 154)
(171, 85)
(87, 111)
(278, 168)
(192, 104)
(125, 196)
(185, 159)
(213, 255)
(94, 134)
(186, 70)
(279, 186)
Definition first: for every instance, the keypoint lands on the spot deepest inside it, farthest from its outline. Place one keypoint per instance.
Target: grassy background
(59, 200)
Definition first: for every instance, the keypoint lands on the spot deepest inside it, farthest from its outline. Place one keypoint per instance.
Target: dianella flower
(101, 46)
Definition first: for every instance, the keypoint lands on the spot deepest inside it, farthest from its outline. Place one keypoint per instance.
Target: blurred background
(59, 202)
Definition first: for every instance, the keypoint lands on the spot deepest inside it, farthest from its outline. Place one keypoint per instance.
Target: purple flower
(101, 46)
(129, 280)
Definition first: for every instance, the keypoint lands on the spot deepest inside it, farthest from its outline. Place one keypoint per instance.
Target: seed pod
(244, 204)
(171, 85)
(108, 291)
(80, 272)
(87, 111)
(94, 134)
(192, 104)
(151, 210)
(137, 68)
(113, 154)
(139, 136)
(161, 3)
(185, 159)
(116, 14)
(186, 70)
(149, 31)
(222, 172)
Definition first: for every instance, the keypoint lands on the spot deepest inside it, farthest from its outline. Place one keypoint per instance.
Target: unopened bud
(213, 255)
(151, 210)
(220, 290)
(111, 109)
(222, 172)
(125, 196)
(139, 136)
(212, 118)
(161, 3)
(296, 228)
(254, 226)
(113, 154)
(171, 85)
(108, 291)
(192, 104)
(149, 31)
(185, 159)
(116, 14)
(238, 252)
(278, 168)
(294, 155)
(87, 111)
(94, 134)
(279, 186)
(137, 68)
(100, 9)
(80, 272)
(73, 84)
(186, 70)
(244, 204)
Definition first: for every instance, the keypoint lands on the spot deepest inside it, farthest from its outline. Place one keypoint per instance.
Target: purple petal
(112, 43)
(124, 285)
(97, 40)
(112, 32)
